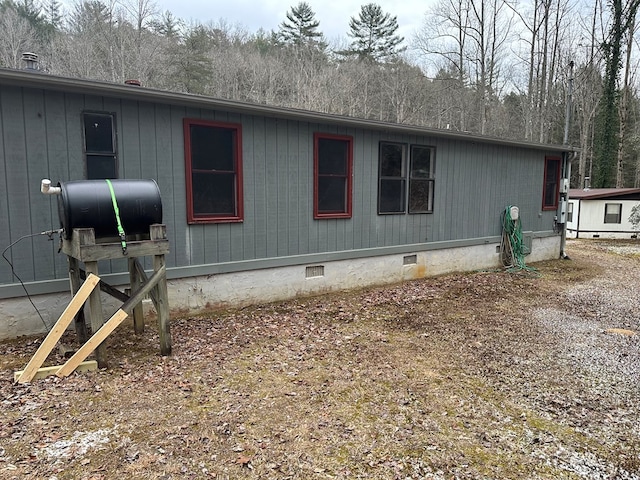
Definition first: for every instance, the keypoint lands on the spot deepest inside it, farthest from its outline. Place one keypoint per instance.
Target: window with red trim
(551, 183)
(333, 164)
(213, 158)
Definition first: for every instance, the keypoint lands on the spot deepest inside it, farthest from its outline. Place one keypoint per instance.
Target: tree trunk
(531, 101)
(543, 81)
(624, 107)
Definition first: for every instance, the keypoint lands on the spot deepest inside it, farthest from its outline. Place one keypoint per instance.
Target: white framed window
(612, 213)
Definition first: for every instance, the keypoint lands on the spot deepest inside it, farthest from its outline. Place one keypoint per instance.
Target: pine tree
(53, 13)
(29, 10)
(193, 66)
(89, 17)
(374, 35)
(32, 13)
(168, 25)
(301, 28)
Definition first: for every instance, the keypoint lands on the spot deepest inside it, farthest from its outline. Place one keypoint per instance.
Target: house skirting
(247, 287)
(605, 234)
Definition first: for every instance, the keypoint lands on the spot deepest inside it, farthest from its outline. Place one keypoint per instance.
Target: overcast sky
(333, 14)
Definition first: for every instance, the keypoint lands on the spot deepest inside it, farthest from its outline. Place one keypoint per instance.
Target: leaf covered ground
(487, 375)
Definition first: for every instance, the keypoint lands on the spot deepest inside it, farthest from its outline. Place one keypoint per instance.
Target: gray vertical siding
(5, 220)
(57, 155)
(17, 184)
(179, 236)
(42, 137)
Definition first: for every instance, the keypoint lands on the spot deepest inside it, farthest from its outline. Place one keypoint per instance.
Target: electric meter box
(562, 211)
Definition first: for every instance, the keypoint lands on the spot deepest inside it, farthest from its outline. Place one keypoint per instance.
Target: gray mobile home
(260, 203)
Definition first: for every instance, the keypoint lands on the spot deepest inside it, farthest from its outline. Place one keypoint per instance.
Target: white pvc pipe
(47, 189)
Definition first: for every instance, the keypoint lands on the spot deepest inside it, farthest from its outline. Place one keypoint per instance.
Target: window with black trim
(612, 213)
(101, 160)
(213, 157)
(570, 212)
(551, 183)
(333, 165)
(406, 178)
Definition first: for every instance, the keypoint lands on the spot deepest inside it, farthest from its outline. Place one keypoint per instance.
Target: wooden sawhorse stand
(82, 247)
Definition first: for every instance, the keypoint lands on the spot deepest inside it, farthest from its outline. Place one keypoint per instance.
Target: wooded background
(494, 67)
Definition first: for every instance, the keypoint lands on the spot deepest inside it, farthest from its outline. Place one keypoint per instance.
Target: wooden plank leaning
(58, 329)
(91, 344)
(111, 324)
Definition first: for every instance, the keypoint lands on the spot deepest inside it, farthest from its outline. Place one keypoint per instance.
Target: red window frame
(348, 176)
(549, 183)
(238, 214)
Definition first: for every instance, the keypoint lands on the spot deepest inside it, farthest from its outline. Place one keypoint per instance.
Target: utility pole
(566, 169)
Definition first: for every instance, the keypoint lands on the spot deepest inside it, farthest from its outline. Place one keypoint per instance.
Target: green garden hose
(512, 247)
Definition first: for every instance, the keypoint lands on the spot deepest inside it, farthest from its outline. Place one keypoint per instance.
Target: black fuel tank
(88, 204)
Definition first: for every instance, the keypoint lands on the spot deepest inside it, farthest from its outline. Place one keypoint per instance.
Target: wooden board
(97, 338)
(84, 249)
(116, 319)
(88, 366)
(58, 329)
(621, 331)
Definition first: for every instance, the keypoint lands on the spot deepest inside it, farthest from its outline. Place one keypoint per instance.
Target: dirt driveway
(478, 376)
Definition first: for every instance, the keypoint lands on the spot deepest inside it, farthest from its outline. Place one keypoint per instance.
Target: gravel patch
(594, 337)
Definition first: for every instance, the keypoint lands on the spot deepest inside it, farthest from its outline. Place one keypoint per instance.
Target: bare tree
(470, 35)
(18, 36)
(402, 84)
(623, 111)
(444, 35)
(489, 29)
(90, 48)
(587, 87)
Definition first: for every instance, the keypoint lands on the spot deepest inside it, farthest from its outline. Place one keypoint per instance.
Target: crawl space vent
(410, 260)
(315, 271)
